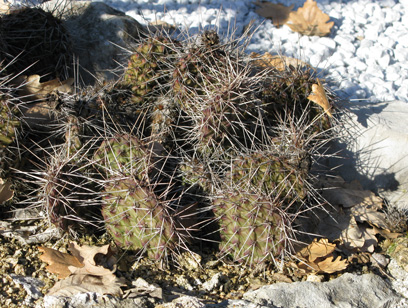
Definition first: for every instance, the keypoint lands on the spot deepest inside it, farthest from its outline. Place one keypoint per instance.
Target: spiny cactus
(146, 71)
(271, 173)
(65, 190)
(33, 41)
(253, 227)
(213, 86)
(285, 95)
(139, 219)
(127, 155)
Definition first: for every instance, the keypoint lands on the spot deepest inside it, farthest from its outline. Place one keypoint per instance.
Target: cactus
(127, 155)
(146, 71)
(62, 183)
(212, 86)
(34, 42)
(253, 227)
(285, 95)
(138, 219)
(271, 173)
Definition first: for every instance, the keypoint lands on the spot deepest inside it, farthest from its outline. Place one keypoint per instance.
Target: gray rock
(399, 282)
(31, 285)
(347, 291)
(100, 35)
(235, 304)
(84, 300)
(374, 145)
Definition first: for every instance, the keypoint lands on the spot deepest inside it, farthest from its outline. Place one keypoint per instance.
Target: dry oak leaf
(97, 260)
(318, 256)
(6, 193)
(317, 249)
(32, 88)
(279, 13)
(310, 20)
(59, 262)
(281, 63)
(319, 97)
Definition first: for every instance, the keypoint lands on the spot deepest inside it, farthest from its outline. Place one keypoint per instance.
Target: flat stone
(349, 290)
(374, 147)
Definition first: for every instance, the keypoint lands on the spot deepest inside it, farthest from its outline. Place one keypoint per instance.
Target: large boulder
(100, 37)
(374, 148)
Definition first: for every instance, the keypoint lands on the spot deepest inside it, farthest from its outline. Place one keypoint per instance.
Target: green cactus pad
(139, 220)
(271, 173)
(128, 155)
(252, 226)
(147, 65)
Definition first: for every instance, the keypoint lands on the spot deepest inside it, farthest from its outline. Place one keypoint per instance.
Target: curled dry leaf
(97, 260)
(59, 262)
(319, 97)
(32, 88)
(279, 13)
(281, 63)
(160, 26)
(310, 20)
(6, 193)
(318, 256)
(88, 269)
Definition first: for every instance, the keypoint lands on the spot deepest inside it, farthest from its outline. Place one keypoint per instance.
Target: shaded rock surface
(100, 35)
(374, 147)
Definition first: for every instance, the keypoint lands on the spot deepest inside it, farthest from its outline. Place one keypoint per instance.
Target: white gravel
(364, 58)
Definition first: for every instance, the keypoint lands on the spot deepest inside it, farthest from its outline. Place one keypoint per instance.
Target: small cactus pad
(251, 225)
(140, 220)
(128, 155)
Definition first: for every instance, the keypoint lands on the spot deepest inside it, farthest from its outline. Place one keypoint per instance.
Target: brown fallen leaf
(59, 262)
(160, 26)
(281, 63)
(32, 88)
(318, 257)
(330, 265)
(317, 249)
(97, 260)
(279, 13)
(88, 269)
(319, 97)
(6, 193)
(310, 20)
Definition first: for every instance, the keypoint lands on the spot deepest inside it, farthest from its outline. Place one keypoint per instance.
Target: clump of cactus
(192, 134)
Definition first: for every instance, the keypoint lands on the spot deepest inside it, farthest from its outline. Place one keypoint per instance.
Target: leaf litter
(307, 20)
